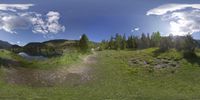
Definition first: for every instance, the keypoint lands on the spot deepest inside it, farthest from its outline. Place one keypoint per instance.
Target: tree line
(120, 42)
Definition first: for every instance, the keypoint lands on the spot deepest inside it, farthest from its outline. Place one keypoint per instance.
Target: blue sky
(99, 19)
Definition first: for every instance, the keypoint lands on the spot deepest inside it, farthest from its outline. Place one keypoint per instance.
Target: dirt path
(73, 75)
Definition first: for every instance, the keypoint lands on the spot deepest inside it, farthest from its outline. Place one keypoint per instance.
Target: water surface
(29, 57)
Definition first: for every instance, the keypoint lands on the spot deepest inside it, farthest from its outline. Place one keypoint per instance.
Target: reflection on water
(29, 57)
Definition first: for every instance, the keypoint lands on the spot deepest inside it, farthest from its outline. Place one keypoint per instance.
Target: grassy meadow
(66, 59)
(118, 76)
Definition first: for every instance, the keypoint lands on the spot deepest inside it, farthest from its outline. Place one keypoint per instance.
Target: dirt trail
(73, 75)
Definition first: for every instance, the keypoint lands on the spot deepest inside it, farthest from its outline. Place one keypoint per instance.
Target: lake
(29, 57)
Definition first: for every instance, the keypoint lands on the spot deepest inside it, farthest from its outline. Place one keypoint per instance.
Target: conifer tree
(84, 43)
(124, 42)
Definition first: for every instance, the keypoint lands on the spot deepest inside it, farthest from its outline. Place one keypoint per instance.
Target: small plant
(150, 69)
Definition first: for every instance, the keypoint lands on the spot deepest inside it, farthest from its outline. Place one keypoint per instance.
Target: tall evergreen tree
(143, 41)
(148, 40)
(118, 40)
(190, 44)
(111, 43)
(124, 42)
(155, 39)
(84, 43)
(129, 42)
(166, 43)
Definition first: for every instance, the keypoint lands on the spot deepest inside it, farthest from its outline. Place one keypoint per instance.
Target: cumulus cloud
(18, 42)
(135, 29)
(183, 18)
(15, 7)
(49, 25)
(11, 20)
(171, 8)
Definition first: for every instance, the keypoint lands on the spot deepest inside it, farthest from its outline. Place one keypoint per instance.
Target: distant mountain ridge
(61, 43)
(5, 45)
(51, 47)
(198, 41)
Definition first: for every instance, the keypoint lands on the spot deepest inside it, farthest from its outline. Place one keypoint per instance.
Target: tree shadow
(157, 52)
(192, 58)
(8, 63)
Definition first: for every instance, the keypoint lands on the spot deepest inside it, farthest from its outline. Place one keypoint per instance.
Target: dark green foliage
(16, 48)
(166, 43)
(104, 45)
(144, 41)
(5, 45)
(124, 45)
(181, 43)
(40, 49)
(190, 44)
(118, 41)
(47, 48)
(84, 43)
(111, 43)
(198, 43)
(155, 39)
(132, 42)
(186, 44)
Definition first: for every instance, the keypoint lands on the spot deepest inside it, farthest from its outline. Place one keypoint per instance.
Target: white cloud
(49, 25)
(161, 10)
(12, 20)
(135, 29)
(182, 20)
(15, 7)
(18, 42)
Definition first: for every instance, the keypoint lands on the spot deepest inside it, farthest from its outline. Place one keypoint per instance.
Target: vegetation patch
(152, 61)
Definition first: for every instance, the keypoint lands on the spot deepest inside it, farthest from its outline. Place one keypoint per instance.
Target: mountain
(51, 47)
(35, 45)
(198, 42)
(36, 48)
(5, 45)
(62, 43)
(16, 48)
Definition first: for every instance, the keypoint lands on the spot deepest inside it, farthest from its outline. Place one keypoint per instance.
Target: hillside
(61, 43)
(51, 47)
(4, 45)
(198, 41)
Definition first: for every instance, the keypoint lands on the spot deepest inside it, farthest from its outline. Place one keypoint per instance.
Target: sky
(24, 21)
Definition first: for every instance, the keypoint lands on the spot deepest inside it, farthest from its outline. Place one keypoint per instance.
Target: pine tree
(155, 39)
(143, 41)
(111, 43)
(129, 42)
(166, 43)
(189, 44)
(118, 39)
(148, 41)
(124, 45)
(84, 43)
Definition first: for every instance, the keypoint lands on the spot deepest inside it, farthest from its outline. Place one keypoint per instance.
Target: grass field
(66, 59)
(124, 75)
(54, 62)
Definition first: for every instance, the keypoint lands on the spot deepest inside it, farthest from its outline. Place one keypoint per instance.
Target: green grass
(55, 62)
(115, 79)
(66, 59)
(198, 52)
(5, 54)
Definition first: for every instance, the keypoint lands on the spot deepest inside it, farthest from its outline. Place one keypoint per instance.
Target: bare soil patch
(156, 63)
(74, 75)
